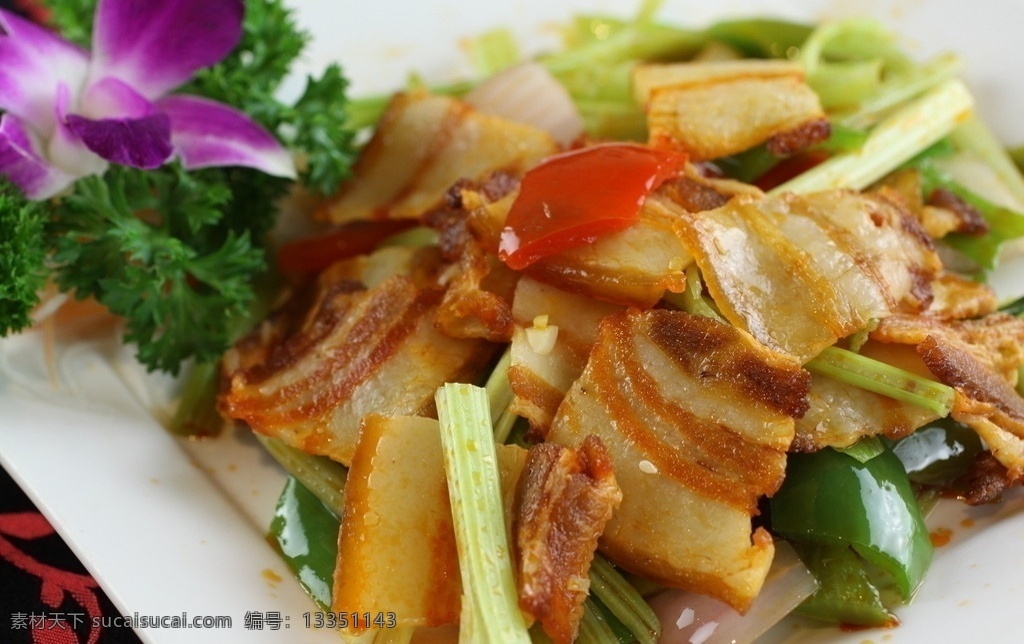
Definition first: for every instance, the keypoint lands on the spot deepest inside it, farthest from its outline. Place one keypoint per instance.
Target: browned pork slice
(311, 372)
(396, 550)
(798, 272)
(632, 267)
(940, 212)
(958, 297)
(714, 109)
(697, 417)
(841, 414)
(980, 359)
(566, 496)
(554, 332)
(478, 299)
(424, 144)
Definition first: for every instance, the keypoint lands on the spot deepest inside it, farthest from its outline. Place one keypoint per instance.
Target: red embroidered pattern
(57, 585)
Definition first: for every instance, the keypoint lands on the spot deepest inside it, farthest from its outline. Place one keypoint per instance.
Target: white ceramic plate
(169, 527)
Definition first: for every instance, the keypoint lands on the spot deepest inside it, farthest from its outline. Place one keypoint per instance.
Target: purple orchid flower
(68, 114)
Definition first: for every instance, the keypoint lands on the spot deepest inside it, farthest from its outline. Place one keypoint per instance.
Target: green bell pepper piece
(939, 453)
(845, 593)
(305, 532)
(829, 498)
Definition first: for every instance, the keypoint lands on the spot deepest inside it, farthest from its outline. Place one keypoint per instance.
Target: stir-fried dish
(717, 300)
(667, 335)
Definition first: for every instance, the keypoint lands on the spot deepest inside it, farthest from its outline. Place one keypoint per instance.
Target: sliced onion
(529, 94)
(688, 618)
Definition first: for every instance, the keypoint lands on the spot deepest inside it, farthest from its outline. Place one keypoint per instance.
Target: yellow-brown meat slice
(697, 417)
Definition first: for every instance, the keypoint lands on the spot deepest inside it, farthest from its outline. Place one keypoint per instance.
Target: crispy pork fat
(565, 498)
(697, 417)
(311, 372)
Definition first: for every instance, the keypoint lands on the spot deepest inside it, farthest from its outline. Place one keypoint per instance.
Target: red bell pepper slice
(573, 198)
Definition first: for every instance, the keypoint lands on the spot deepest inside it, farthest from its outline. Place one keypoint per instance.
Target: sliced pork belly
(980, 359)
(697, 417)
(715, 109)
(478, 299)
(958, 297)
(631, 267)
(554, 332)
(311, 372)
(396, 551)
(841, 414)
(798, 272)
(565, 498)
(422, 146)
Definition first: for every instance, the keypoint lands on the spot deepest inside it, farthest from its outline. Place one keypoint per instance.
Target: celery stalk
(618, 120)
(623, 601)
(761, 37)
(894, 92)
(1004, 224)
(1017, 156)
(499, 392)
(500, 395)
(594, 629)
(490, 611)
(846, 83)
(847, 60)
(853, 39)
(324, 478)
(865, 449)
(612, 41)
(196, 414)
(866, 373)
(492, 51)
(693, 296)
(895, 140)
(692, 300)
(504, 425)
(974, 136)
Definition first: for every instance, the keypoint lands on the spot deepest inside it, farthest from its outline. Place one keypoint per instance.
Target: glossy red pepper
(314, 254)
(573, 198)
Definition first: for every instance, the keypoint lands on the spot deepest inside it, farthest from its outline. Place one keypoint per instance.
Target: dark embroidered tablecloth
(46, 596)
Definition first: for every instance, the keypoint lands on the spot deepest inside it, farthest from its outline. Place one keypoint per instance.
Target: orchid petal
(143, 142)
(206, 133)
(21, 162)
(65, 149)
(112, 98)
(157, 45)
(33, 61)
(136, 135)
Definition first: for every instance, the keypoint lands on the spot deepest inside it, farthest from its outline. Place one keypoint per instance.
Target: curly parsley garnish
(173, 252)
(22, 257)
